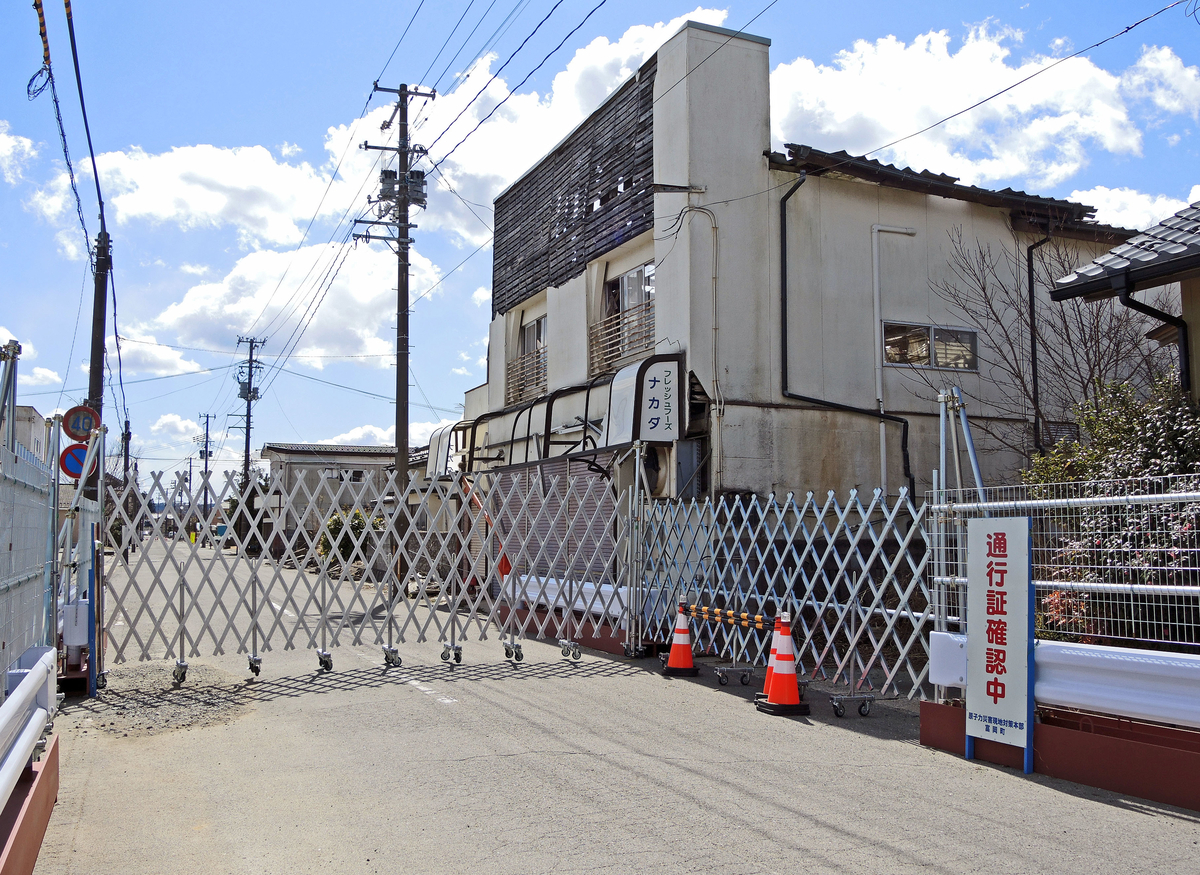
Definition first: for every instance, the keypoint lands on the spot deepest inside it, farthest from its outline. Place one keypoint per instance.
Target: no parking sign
(72, 459)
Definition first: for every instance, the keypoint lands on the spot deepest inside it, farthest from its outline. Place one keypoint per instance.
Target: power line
(512, 91)
(496, 75)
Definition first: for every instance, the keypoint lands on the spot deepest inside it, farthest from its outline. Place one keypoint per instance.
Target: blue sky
(217, 127)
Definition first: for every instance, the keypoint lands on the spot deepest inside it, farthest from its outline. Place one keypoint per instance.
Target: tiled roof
(1172, 241)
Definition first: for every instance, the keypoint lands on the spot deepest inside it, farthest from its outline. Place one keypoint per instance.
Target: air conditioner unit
(668, 470)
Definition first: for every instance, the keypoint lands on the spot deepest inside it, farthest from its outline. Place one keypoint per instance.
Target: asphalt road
(546, 767)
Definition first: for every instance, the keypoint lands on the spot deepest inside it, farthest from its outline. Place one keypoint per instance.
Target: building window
(928, 346)
(626, 328)
(356, 476)
(526, 375)
(533, 335)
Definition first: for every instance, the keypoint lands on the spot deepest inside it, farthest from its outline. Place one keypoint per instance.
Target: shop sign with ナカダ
(660, 411)
(1000, 634)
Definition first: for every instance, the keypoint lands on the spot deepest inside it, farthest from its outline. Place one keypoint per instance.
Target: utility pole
(205, 454)
(95, 399)
(245, 376)
(398, 190)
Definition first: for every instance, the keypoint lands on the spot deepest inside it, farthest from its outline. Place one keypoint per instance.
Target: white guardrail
(1126, 682)
(26, 713)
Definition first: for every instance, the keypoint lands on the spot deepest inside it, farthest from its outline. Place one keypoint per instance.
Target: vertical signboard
(1000, 634)
(660, 408)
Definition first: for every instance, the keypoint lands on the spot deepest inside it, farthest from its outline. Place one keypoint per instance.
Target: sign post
(1000, 637)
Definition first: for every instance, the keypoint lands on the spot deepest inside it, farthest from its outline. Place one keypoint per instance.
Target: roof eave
(1147, 277)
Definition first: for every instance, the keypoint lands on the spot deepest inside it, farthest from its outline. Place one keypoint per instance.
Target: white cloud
(481, 296)
(287, 150)
(1128, 208)
(461, 372)
(1161, 77)
(142, 354)
(347, 318)
(38, 377)
(874, 93)
(195, 269)
(365, 435)
(15, 151)
(173, 427)
(464, 356)
(420, 432)
(27, 349)
(70, 246)
(378, 436)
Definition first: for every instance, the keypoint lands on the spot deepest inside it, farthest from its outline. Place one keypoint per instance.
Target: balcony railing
(615, 341)
(526, 377)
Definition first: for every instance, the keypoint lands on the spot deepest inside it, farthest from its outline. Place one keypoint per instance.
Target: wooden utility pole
(399, 190)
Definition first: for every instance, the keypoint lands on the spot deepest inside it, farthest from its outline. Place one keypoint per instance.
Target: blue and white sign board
(1000, 634)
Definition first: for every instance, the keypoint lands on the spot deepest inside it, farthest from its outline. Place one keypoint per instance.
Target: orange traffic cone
(770, 663)
(783, 695)
(680, 664)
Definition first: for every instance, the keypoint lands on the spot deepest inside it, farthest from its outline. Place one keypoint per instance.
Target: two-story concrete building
(783, 302)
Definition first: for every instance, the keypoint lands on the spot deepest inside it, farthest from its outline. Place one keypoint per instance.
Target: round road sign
(78, 422)
(72, 459)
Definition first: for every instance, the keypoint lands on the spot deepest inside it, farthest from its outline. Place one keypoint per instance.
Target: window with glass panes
(929, 346)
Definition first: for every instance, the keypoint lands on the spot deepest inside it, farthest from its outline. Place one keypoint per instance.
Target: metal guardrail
(26, 714)
(1114, 562)
(611, 341)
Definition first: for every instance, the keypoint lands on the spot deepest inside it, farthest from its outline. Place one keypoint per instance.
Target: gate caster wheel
(446, 655)
(518, 656)
(508, 652)
(255, 665)
(391, 658)
(101, 681)
(325, 661)
(180, 672)
(722, 678)
(839, 709)
(745, 679)
(625, 649)
(864, 709)
(458, 656)
(566, 651)
(576, 653)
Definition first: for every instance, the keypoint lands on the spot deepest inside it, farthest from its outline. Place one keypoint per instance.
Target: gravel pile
(143, 700)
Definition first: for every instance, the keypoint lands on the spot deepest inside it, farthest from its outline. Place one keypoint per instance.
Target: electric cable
(512, 91)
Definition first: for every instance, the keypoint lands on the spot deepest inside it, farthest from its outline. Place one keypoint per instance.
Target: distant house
(762, 320)
(314, 477)
(1163, 254)
(31, 431)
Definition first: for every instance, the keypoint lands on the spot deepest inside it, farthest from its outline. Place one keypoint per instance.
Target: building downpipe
(1120, 283)
(783, 344)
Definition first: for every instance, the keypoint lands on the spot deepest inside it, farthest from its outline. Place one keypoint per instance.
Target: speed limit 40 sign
(78, 422)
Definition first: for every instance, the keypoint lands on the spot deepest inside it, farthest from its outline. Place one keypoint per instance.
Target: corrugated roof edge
(817, 162)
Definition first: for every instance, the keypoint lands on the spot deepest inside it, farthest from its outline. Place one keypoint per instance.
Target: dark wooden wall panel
(547, 225)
